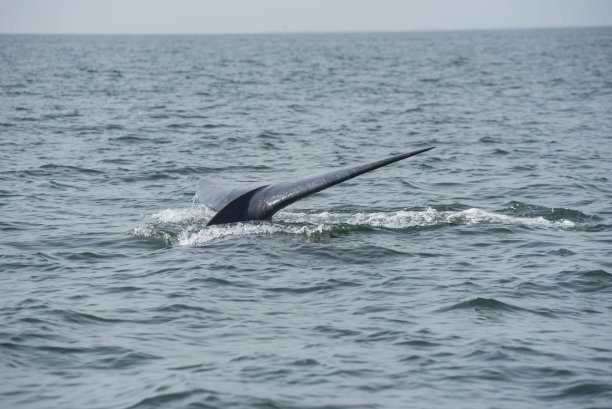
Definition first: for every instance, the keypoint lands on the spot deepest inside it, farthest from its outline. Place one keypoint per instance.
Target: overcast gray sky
(256, 16)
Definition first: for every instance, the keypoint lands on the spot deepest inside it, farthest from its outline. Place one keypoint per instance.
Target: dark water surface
(476, 275)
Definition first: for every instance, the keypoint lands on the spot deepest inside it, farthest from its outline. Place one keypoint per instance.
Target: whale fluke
(260, 202)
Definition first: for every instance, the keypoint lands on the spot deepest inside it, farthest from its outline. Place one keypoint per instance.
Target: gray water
(476, 275)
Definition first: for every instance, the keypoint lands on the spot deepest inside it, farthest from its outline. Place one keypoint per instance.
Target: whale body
(261, 202)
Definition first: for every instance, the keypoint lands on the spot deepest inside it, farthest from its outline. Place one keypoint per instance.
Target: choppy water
(476, 275)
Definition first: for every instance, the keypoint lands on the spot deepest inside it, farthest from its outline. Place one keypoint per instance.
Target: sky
(263, 16)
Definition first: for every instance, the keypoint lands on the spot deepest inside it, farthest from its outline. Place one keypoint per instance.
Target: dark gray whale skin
(263, 201)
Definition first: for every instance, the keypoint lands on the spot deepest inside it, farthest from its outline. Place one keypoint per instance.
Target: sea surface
(475, 275)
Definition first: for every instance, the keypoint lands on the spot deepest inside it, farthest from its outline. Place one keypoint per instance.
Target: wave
(187, 226)
(586, 281)
(551, 214)
(482, 303)
(493, 305)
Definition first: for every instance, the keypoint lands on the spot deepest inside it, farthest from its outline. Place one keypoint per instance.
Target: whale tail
(261, 202)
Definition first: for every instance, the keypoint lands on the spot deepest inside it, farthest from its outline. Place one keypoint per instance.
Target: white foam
(193, 236)
(478, 216)
(403, 219)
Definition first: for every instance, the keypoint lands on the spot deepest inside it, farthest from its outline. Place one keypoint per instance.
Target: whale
(262, 201)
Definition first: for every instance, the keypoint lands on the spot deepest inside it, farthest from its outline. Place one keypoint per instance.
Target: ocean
(475, 275)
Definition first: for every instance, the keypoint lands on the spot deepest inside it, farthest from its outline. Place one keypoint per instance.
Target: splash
(187, 226)
(193, 213)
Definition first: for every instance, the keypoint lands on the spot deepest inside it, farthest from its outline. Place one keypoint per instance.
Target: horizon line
(276, 32)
